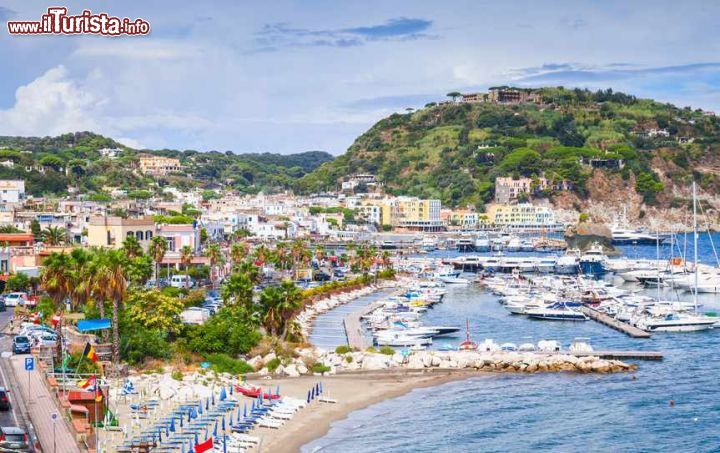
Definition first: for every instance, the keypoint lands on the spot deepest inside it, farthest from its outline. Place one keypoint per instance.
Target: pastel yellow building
(416, 213)
(112, 231)
(520, 215)
(158, 165)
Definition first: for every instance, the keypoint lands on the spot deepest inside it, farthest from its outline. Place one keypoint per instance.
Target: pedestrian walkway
(41, 406)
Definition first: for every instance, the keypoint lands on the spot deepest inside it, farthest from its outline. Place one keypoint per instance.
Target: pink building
(179, 236)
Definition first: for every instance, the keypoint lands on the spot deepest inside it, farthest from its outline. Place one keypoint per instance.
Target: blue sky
(289, 76)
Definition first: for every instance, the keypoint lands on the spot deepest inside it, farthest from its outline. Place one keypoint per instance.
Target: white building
(12, 190)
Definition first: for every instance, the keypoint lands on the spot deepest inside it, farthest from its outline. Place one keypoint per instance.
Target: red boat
(254, 392)
(468, 344)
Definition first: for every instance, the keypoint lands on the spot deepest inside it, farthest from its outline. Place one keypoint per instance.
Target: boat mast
(657, 257)
(695, 245)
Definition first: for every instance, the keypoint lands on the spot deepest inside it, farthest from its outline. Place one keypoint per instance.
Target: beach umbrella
(212, 395)
(308, 397)
(223, 423)
(172, 424)
(231, 389)
(197, 441)
(207, 404)
(225, 438)
(253, 406)
(317, 389)
(215, 429)
(244, 410)
(277, 390)
(181, 421)
(199, 411)
(223, 395)
(312, 393)
(321, 387)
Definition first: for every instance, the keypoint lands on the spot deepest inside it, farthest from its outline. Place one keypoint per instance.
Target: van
(181, 281)
(15, 299)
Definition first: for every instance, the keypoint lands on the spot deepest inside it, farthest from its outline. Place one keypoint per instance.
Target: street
(11, 417)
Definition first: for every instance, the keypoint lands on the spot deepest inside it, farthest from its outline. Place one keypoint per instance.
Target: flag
(205, 446)
(89, 383)
(89, 353)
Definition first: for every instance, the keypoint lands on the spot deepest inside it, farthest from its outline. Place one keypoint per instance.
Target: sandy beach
(353, 391)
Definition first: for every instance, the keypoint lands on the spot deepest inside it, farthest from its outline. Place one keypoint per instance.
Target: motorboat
(568, 263)
(622, 236)
(581, 344)
(482, 244)
(676, 322)
(557, 312)
(467, 344)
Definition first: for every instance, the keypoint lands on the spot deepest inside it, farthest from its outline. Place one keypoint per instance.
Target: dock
(353, 327)
(613, 323)
(617, 355)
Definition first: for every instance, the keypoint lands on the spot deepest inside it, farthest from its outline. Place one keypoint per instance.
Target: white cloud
(137, 48)
(49, 105)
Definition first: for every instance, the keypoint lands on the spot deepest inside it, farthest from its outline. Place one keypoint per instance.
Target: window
(130, 234)
(148, 234)
(139, 235)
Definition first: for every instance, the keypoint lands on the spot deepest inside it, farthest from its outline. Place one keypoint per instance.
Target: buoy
(672, 403)
(634, 378)
(695, 419)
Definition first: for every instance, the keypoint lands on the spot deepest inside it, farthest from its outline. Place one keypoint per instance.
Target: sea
(671, 405)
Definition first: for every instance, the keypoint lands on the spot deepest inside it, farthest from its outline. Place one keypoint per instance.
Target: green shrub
(223, 363)
(177, 375)
(387, 350)
(348, 358)
(273, 364)
(137, 344)
(319, 368)
(342, 349)
(371, 350)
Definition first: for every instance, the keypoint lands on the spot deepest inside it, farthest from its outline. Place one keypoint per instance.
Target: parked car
(13, 438)
(4, 399)
(44, 339)
(182, 281)
(21, 344)
(3, 307)
(15, 299)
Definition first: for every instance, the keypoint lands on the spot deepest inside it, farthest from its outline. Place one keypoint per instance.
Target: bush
(387, 350)
(342, 349)
(318, 367)
(223, 363)
(17, 282)
(371, 350)
(229, 331)
(177, 375)
(273, 364)
(348, 358)
(137, 344)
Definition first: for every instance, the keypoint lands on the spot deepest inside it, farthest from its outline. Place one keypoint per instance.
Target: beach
(353, 391)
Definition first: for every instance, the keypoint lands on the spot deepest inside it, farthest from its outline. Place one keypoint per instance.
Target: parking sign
(29, 363)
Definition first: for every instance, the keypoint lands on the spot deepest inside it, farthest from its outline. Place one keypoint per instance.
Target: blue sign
(29, 363)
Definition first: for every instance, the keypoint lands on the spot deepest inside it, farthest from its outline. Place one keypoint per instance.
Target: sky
(291, 76)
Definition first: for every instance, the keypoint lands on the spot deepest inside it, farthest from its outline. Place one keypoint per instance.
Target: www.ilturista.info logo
(57, 22)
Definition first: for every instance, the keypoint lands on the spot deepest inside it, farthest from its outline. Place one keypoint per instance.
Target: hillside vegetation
(455, 151)
(50, 164)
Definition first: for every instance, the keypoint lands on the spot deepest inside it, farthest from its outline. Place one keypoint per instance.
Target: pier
(613, 323)
(353, 327)
(619, 355)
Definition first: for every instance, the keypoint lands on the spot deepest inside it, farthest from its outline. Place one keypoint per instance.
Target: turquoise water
(555, 412)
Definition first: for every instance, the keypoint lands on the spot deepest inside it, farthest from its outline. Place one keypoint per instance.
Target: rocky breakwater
(584, 234)
(490, 361)
(318, 307)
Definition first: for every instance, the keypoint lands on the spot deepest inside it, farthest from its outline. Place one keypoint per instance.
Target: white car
(182, 281)
(15, 299)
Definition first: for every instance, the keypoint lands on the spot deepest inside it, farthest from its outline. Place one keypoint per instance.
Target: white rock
(375, 362)
(269, 357)
(302, 369)
(291, 370)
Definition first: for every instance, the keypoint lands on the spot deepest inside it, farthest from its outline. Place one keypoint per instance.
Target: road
(11, 417)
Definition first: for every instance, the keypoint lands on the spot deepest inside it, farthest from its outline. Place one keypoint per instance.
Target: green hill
(50, 164)
(455, 151)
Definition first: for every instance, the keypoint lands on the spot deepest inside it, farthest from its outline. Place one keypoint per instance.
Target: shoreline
(354, 391)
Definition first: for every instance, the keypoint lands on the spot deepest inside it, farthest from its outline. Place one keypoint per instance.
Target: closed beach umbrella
(312, 393)
(308, 397)
(207, 404)
(172, 424)
(317, 389)
(212, 395)
(231, 389)
(244, 410)
(223, 423)
(223, 395)
(197, 441)
(215, 429)
(321, 389)
(277, 390)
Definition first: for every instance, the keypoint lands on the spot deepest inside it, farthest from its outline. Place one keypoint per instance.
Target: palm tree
(261, 253)
(112, 285)
(238, 288)
(280, 304)
(216, 256)
(54, 235)
(80, 275)
(54, 278)
(238, 252)
(186, 256)
(158, 247)
(300, 255)
(132, 247)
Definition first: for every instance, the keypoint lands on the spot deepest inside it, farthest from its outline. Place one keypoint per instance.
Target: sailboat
(468, 344)
(678, 321)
